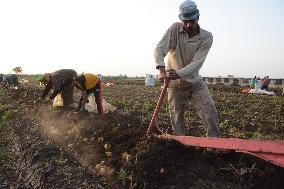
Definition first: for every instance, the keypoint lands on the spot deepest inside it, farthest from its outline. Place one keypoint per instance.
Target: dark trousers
(264, 87)
(67, 95)
(97, 94)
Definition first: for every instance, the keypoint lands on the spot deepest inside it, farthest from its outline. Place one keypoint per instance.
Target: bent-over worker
(89, 84)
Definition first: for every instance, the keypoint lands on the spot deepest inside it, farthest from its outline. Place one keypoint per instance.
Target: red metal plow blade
(272, 151)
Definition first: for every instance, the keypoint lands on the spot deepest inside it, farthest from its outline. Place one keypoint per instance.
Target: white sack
(58, 102)
(92, 105)
(150, 80)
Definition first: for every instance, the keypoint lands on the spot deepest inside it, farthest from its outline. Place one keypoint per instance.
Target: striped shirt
(186, 54)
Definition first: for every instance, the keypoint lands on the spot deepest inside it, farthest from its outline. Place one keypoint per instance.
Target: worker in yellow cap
(89, 84)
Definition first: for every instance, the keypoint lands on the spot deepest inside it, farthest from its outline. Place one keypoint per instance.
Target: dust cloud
(66, 130)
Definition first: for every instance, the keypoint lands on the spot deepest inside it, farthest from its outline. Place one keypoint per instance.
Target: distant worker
(62, 83)
(258, 84)
(89, 84)
(187, 46)
(265, 83)
(252, 83)
(10, 80)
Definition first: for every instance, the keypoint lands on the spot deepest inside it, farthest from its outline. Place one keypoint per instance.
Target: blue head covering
(188, 10)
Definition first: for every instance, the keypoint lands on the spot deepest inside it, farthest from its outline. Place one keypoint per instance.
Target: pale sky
(114, 37)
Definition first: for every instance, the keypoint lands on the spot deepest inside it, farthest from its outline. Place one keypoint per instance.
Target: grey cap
(188, 10)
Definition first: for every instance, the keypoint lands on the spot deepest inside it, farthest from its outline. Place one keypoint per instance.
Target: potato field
(46, 147)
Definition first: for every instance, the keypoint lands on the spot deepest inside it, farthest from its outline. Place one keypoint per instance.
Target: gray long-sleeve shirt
(186, 54)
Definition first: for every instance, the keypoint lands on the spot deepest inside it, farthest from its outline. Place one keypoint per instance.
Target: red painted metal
(269, 150)
(101, 97)
(277, 159)
(272, 151)
(154, 119)
(266, 146)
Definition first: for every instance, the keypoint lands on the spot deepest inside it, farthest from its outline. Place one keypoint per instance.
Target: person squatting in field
(10, 80)
(62, 83)
(89, 84)
(187, 46)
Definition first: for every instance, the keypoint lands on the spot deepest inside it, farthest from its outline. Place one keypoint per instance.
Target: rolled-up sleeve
(198, 58)
(167, 43)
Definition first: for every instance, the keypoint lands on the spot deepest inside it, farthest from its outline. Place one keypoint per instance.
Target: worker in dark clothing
(10, 80)
(265, 83)
(89, 84)
(62, 83)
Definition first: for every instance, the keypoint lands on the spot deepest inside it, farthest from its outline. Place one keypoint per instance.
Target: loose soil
(56, 148)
